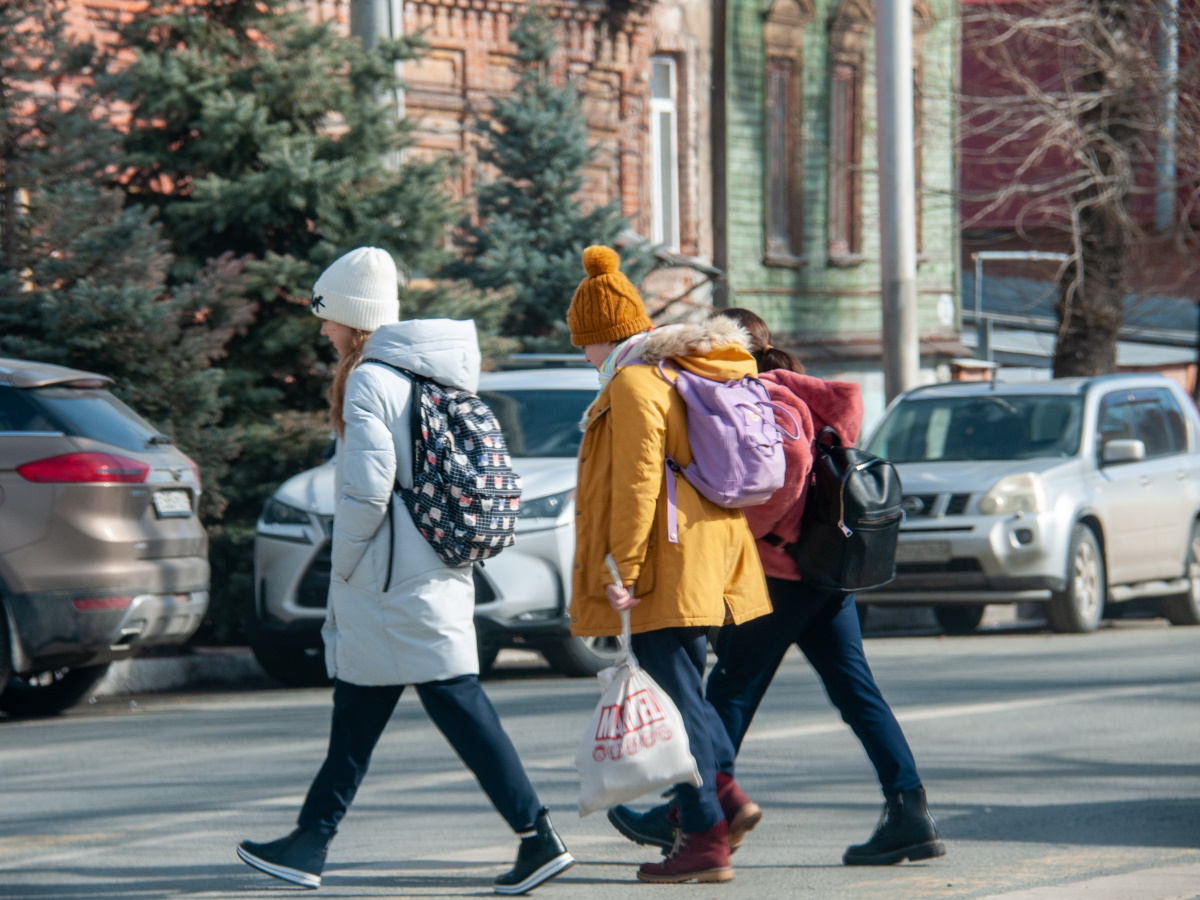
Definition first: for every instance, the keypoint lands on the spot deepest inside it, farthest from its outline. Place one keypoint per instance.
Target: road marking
(926, 713)
(1167, 883)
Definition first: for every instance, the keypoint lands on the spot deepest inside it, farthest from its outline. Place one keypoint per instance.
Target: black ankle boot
(298, 858)
(540, 857)
(653, 827)
(905, 831)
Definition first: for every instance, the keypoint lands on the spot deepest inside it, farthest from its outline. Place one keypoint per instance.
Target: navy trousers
(675, 658)
(460, 710)
(825, 627)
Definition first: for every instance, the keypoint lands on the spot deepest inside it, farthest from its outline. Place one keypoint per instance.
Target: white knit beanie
(360, 290)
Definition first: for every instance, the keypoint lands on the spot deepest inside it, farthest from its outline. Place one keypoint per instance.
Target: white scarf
(617, 356)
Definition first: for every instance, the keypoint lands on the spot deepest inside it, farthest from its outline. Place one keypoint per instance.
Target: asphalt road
(1058, 767)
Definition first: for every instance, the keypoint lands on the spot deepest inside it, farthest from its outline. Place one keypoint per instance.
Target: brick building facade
(643, 72)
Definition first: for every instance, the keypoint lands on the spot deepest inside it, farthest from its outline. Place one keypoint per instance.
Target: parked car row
(101, 551)
(1082, 495)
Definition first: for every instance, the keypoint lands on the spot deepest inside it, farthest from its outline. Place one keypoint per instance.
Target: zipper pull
(845, 529)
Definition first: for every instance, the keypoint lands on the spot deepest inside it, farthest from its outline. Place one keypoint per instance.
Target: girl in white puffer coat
(397, 614)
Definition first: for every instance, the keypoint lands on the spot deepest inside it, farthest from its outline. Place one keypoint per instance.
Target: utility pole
(897, 194)
(372, 21)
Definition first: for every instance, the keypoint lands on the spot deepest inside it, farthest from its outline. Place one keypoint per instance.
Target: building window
(845, 157)
(852, 21)
(664, 152)
(783, 144)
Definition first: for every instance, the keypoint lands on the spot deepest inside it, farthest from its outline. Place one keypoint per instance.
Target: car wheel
(5, 650)
(488, 652)
(49, 692)
(290, 662)
(1080, 607)
(578, 657)
(959, 619)
(1184, 609)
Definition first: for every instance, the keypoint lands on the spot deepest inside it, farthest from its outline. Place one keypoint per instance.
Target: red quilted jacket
(815, 403)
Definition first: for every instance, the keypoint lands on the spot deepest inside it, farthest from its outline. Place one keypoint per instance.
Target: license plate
(173, 504)
(922, 551)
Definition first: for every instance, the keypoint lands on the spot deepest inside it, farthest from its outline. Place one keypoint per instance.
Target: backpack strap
(414, 412)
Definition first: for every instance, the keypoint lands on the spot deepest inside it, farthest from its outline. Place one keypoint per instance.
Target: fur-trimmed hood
(713, 349)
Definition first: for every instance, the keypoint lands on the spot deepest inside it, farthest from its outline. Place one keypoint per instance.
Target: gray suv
(101, 552)
(1078, 494)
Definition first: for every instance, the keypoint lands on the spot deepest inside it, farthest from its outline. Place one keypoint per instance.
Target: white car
(520, 595)
(1079, 494)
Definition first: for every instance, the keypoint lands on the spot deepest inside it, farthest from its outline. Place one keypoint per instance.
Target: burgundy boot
(700, 856)
(741, 813)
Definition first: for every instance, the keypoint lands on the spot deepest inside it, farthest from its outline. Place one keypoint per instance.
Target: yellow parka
(712, 574)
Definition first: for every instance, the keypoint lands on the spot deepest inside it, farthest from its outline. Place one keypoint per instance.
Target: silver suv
(520, 596)
(1077, 493)
(101, 552)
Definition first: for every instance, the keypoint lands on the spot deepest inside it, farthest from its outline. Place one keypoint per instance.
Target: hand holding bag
(635, 742)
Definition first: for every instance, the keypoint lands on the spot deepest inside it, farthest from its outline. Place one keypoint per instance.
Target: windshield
(992, 426)
(539, 423)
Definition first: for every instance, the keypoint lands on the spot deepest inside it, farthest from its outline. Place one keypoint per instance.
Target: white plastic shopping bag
(635, 742)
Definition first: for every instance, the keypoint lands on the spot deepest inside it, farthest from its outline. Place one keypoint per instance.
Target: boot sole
(708, 876)
(284, 873)
(745, 821)
(556, 866)
(638, 837)
(914, 853)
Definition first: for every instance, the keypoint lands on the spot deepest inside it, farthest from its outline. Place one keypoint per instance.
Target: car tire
(5, 650)
(290, 662)
(1080, 607)
(488, 651)
(578, 657)
(49, 692)
(1184, 609)
(959, 619)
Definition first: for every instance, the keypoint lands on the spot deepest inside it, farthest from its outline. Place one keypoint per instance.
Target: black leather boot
(653, 827)
(905, 831)
(298, 858)
(540, 857)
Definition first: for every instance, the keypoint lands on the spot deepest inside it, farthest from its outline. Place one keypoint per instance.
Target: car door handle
(1146, 480)
(1181, 475)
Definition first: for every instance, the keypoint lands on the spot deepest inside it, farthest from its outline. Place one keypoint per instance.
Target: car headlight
(1022, 493)
(546, 507)
(277, 513)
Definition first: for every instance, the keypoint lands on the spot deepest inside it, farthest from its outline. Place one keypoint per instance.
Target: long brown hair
(760, 348)
(347, 363)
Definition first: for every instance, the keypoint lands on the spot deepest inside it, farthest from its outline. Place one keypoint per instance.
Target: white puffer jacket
(418, 626)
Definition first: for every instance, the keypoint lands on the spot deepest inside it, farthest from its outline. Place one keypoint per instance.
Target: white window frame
(664, 224)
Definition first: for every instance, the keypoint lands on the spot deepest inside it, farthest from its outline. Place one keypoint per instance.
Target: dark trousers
(825, 627)
(460, 710)
(675, 659)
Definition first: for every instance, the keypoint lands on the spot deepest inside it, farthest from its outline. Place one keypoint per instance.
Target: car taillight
(195, 469)
(93, 603)
(86, 468)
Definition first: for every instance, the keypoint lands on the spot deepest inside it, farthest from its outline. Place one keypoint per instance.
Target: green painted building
(795, 202)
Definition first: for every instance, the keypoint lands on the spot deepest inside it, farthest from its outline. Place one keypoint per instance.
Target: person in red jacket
(823, 624)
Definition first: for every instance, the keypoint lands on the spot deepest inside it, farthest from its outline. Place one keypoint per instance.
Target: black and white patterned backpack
(465, 496)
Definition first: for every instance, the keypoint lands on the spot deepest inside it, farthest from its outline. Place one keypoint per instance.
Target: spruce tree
(259, 133)
(530, 228)
(83, 276)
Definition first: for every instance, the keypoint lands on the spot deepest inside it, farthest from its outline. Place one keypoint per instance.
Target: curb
(193, 668)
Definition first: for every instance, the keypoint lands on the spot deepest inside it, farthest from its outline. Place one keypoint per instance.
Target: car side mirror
(1124, 450)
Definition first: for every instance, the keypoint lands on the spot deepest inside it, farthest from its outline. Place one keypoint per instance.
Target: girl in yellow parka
(676, 583)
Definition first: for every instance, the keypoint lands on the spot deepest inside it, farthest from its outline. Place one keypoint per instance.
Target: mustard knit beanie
(606, 307)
